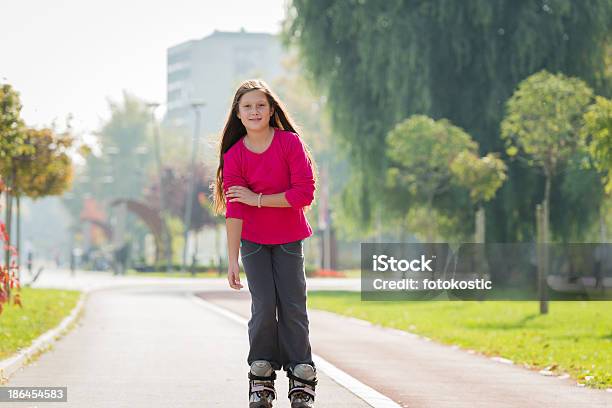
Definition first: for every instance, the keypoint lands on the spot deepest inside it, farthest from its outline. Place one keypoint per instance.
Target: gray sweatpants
(276, 280)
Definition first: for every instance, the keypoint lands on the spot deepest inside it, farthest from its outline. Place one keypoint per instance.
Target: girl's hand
(233, 275)
(241, 194)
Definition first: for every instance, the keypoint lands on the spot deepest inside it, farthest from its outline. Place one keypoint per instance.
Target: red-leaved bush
(328, 273)
(8, 273)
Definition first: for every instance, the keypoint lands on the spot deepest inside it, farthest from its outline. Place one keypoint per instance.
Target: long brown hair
(234, 130)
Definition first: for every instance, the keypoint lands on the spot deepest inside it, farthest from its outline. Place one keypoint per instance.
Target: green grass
(43, 309)
(575, 337)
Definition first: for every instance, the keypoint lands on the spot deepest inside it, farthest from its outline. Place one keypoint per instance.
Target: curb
(9, 366)
(42, 343)
(498, 359)
(45, 341)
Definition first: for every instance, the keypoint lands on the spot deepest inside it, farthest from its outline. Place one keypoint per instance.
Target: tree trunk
(546, 236)
(379, 227)
(430, 225)
(603, 230)
(479, 236)
(194, 257)
(480, 253)
(9, 216)
(542, 252)
(18, 237)
(547, 209)
(7, 226)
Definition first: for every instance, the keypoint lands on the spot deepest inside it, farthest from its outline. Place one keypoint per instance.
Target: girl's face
(254, 110)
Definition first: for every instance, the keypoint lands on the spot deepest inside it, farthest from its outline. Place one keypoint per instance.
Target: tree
(176, 184)
(120, 163)
(542, 124)
(176, 180)
(125, 144)
(11, 125)
(46, 170)
(419, 152)
(597, 138)
(12, 134)
(483, 176)
(11, 144)
(378, 62)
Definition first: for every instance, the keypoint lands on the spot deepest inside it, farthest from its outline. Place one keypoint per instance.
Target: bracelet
(259, 200)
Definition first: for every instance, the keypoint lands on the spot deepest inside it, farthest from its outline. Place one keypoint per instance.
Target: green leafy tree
(11, 125)
(12, 134)
(378, 62)
(124, 141)
(45, 171)
(542, 124)
(419, 152)
(597, 138)
(483, 176)
(119, 165)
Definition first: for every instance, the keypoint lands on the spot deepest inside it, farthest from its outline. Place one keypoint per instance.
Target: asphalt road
(154, 346)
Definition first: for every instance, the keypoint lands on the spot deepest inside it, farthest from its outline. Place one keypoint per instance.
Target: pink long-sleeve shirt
(282, 168)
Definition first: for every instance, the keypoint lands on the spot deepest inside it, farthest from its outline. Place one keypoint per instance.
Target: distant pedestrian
(267, 175)
(121, 255)
(30, 262)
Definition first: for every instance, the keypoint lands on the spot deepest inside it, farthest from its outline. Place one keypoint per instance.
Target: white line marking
(366, 393)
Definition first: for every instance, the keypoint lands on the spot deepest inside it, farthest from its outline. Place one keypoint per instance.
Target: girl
(267, 175)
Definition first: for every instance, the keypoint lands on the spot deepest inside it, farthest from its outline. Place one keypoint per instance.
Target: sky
(71, 56)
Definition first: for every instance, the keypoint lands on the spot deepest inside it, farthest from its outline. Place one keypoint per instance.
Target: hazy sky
(69, 56)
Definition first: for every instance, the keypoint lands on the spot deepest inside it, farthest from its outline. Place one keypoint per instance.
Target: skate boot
(302, 382)
(261, 385)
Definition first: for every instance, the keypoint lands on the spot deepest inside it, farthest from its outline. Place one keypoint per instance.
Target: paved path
(155, 347)
(118, 356)
(418, 373)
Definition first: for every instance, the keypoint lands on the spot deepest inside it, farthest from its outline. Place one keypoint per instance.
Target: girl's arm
(301, 192)
(234, 230)
(233, 219)
(239, 194)
(274, 200)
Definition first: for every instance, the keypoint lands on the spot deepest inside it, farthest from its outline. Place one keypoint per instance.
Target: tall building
(210, 69)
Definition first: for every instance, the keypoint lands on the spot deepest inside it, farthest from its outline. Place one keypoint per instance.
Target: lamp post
(162, 199)
(191, 187)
